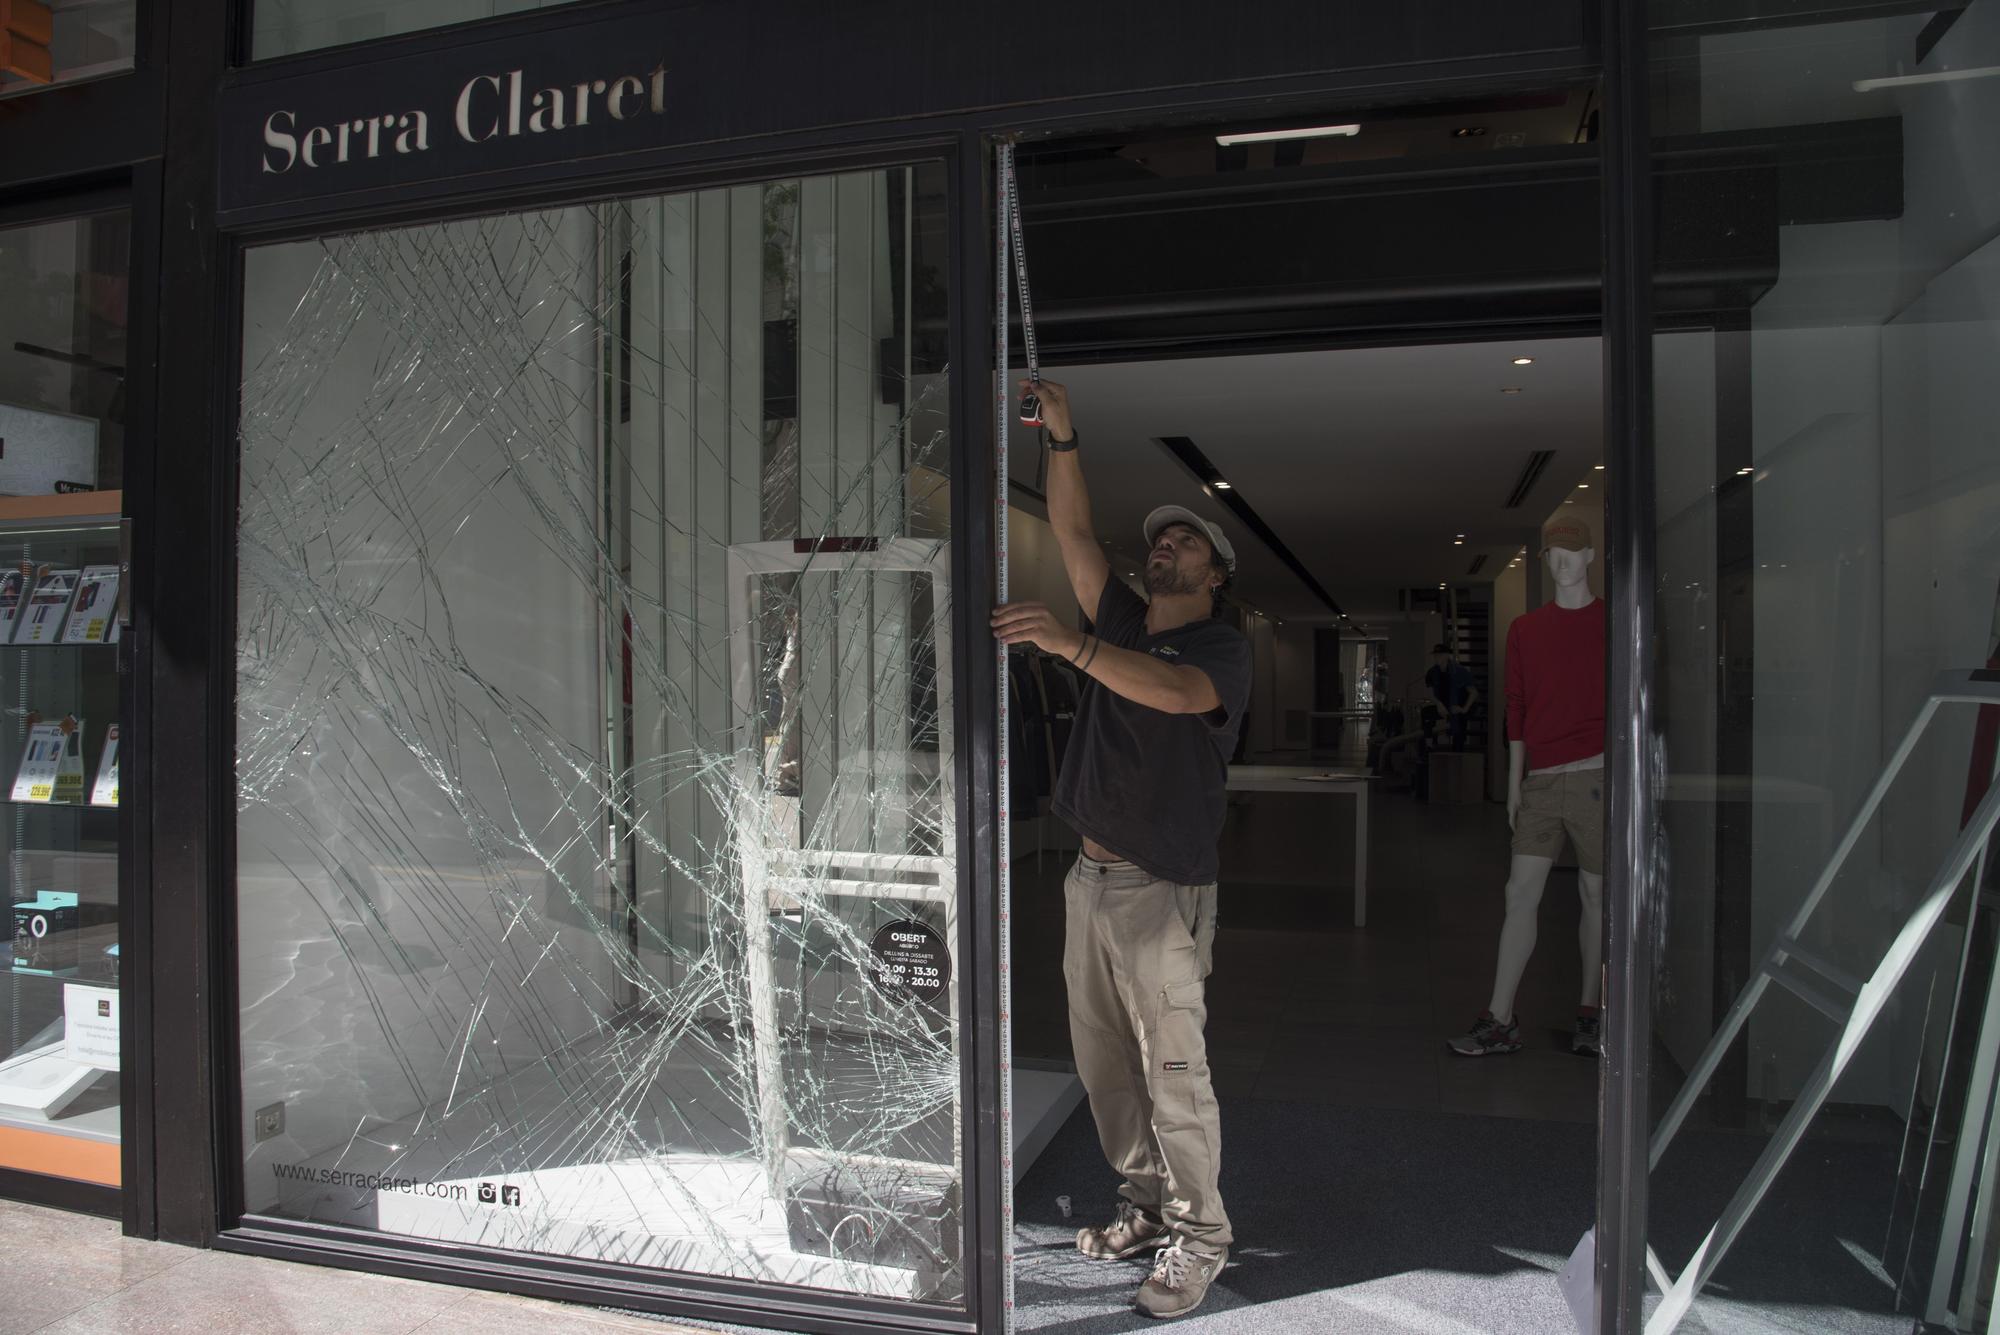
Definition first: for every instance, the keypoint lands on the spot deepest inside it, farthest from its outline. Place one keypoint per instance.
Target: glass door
(1827, 298)
(62, 595)
(597, 878)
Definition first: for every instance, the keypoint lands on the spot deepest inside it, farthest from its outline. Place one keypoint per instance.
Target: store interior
(1411, 489)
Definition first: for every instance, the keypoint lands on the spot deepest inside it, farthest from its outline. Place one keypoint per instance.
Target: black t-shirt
(1451, 685)
(1146, 784)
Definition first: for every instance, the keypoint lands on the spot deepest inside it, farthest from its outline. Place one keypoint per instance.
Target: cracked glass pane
(596, 849)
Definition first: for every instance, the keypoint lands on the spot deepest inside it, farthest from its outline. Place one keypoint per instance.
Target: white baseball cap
(1180, 514)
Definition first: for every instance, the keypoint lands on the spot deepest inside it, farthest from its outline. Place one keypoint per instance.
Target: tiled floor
(75, 1275)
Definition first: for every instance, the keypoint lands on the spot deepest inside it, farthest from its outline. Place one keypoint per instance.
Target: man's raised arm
(1069, 502)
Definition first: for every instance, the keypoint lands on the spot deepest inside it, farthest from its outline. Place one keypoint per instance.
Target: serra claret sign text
(489, 106)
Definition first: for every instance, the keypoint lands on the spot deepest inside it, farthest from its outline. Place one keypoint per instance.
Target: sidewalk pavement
(77, 1275)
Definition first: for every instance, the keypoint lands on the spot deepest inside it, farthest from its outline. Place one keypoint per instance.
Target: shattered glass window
(595, 829)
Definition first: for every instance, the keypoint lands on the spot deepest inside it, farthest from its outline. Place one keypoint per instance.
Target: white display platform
(1327, 783)
(712, 1216)
(42, 1080)
(694, 1213)
(1043, 1101)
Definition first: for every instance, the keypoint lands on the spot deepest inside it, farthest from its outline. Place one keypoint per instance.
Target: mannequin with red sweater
(1555, 769)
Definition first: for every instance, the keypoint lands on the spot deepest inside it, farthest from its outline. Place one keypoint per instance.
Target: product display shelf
(92, 508)
(59, 933)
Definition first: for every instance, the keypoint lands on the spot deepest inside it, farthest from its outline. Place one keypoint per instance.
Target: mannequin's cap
(1440, 648)
(1571, 535)
(1180, 514)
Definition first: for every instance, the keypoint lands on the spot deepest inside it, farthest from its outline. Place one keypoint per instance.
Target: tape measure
(1031, 404)
(1007, 248)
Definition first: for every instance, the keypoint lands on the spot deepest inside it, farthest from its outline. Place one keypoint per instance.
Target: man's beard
(1168, 581)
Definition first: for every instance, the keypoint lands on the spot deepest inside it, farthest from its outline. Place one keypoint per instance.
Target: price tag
(41, 762)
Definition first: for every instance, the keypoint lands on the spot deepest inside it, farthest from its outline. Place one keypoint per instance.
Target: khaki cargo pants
(1135, 952)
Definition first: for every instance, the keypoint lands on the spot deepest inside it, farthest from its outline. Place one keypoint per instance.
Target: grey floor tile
(62, 1262)
(1225, 1054)
(1411, 1084)
(1552, 1086)
(1235, 1081)
(504, 1314)
(219, 1293)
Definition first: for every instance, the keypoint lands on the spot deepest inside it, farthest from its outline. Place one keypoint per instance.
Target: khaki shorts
(1554, 805)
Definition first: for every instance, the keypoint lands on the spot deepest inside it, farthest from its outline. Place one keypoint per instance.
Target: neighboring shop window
(1828, 553)
(62, 438)
(284, 27)
(46, 42)
(596, 854)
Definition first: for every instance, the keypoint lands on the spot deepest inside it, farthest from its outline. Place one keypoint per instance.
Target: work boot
(1130, 1233)
(1179, 1281)
(1487, 1038)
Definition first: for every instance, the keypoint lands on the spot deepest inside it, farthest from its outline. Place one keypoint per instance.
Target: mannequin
(1555, 765)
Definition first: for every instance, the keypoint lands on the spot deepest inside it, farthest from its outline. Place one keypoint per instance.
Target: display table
(1324, 783)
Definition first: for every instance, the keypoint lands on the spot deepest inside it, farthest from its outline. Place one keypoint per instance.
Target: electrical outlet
(270, 1121)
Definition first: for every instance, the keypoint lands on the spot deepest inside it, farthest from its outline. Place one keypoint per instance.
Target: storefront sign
(911, 960)
(606, 87)
(486, 108)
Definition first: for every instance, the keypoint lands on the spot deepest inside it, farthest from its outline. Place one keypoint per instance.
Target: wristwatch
(1063, 446)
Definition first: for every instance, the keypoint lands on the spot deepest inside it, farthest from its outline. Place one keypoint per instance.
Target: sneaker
(1488, 1037)
(1127, 1235)
(1588, 1041)
(1179, 1281)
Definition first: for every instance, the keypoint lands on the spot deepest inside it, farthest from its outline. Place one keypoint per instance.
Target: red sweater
(1555, 683)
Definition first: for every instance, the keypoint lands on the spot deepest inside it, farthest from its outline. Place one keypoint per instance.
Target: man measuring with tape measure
(1142, 782)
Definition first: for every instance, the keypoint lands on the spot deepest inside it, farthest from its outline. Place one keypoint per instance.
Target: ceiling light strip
(1186, 453)
(1279, 136)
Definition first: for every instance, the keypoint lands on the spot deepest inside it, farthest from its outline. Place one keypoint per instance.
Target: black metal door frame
(1632, 756)
(603, 1283)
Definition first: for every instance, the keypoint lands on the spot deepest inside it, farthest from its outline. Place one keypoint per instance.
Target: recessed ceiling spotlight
(1440, 584)
(1510, 389)
(1598, 467)
(1274, 136)
(1745, 472)
(1583, 486)
(1524, 361)
(1220, 485)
